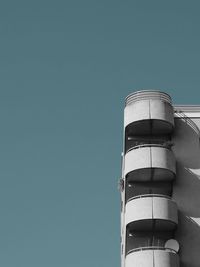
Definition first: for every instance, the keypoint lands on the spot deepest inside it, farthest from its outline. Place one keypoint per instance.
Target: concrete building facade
(160, 185)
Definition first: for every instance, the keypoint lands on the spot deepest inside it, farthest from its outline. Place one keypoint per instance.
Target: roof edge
(187, 108)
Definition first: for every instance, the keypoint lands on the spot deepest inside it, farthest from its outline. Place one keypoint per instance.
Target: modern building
(160, 184)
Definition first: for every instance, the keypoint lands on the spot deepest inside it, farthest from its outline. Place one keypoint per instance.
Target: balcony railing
(150, 195)
(164, 145)
(152, 248)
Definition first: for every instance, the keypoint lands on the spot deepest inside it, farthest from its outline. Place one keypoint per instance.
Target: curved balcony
(152, 257)
(148, 112)
(149, 162)
(151, 213)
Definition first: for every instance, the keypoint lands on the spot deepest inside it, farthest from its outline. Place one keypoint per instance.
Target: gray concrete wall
(186, 191)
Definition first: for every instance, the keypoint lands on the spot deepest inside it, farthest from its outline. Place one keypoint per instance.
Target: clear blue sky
(65, 68)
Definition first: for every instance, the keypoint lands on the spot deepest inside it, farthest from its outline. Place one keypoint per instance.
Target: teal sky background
(65, 69)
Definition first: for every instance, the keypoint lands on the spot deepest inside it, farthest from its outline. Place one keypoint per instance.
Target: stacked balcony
(149, 162)
(150, 215)
(149, 113)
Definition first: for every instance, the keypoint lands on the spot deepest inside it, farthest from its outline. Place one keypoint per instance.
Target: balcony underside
(150, 174)
(149, 127)
(151, 225)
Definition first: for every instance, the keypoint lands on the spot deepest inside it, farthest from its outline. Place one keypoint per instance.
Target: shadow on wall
(188, 235)
(186, 191)
(186, 145)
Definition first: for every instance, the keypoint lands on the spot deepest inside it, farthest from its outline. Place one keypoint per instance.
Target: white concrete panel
(144, 158)
(161, 110)
(165, 209)
(138, 209)
(164, 258)
(152, 258)
(137, 159)
(163, 158)
(137, 111)
(144, 208)
(140, 259)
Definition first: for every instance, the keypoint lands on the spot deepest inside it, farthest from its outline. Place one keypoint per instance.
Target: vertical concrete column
(148, 115)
